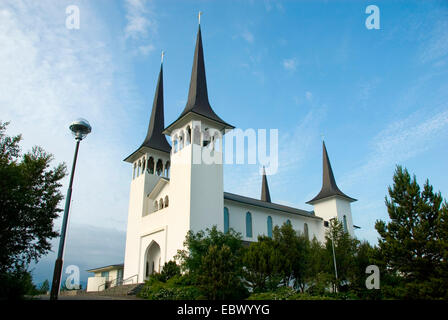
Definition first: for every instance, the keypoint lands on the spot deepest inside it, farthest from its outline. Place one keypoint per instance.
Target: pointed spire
(197, 94)
(329, 186)
(265, 195)
(154, 138)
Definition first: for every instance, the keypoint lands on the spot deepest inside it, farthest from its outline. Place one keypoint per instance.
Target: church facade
(171, 193)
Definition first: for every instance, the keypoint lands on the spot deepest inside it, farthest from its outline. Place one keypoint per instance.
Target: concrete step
(123, 290)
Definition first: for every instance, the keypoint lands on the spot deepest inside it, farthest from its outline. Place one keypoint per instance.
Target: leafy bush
(176, 288)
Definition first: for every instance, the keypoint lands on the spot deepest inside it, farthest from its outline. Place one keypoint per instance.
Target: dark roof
(265, 195)
(197, 95)
(269, 205)
(121, 265)
(329, 186)
(154, 137)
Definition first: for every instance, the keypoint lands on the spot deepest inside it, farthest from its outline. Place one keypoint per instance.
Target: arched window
(206, 138)
(167, 169)
(143, 165)
(156, 205)
(345, 223)
(305, 231)
(288, 222)
(166, 201)
(188, 136)
(270, 227)
(139, 167)
(134, 171)
(159, 167)
(226, 220)
(248, 225)
(151, 165)
(160, 203)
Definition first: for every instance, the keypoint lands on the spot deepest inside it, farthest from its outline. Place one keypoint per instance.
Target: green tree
(414, 243)
(213, 260)
(29, 199)
(289, 254)
(44, 287)
(259, 265)
(344, 252)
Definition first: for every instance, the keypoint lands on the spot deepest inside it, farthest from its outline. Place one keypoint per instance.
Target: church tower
(197, 171)
(331, 202)
(150, 163)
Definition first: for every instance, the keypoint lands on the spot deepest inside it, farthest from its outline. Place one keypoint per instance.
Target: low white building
(172, 192)
(105, 277)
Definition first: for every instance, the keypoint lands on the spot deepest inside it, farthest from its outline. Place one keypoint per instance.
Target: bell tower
(150, 163)
(331, 202)
(196, 156)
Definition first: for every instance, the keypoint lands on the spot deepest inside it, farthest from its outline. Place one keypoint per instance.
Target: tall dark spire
(154, 138)
(329, 186)
(197, 94)
(265, 195)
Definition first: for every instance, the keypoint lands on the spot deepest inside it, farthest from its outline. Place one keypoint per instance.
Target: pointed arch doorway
(153, 259)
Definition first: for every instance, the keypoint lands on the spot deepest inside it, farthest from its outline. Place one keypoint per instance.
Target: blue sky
(306, 68)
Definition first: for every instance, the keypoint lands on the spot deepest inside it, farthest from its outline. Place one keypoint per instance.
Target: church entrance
(153, 259)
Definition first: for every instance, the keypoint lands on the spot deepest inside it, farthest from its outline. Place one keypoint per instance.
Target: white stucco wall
(95, 283)
(335, 207)
(237, 220)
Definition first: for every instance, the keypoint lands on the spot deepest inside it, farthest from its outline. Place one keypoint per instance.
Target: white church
(171, 193)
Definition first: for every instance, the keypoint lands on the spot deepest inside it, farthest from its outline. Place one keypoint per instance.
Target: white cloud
(248, 36)
(141, 26)
(145, 50)
(435, 49)
(402, 140)
(308, 96)
(49, 76)
(290, 64)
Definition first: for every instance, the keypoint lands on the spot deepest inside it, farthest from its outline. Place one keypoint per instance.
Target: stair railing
(118, 282)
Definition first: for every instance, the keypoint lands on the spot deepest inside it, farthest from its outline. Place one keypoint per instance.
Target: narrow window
(166, 201)
(226, 220)
(270, 227)
(248, 225)
(161, 204)
(188, 139)
(159, 167)
(345, 223)
(288, 222)
(167, 169)
(151, 165)
(305, 231)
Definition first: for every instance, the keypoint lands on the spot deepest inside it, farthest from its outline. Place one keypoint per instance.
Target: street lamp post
(80, 129)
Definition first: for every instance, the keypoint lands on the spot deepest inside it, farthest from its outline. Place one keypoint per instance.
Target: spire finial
(199, 17)
(163, 54)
